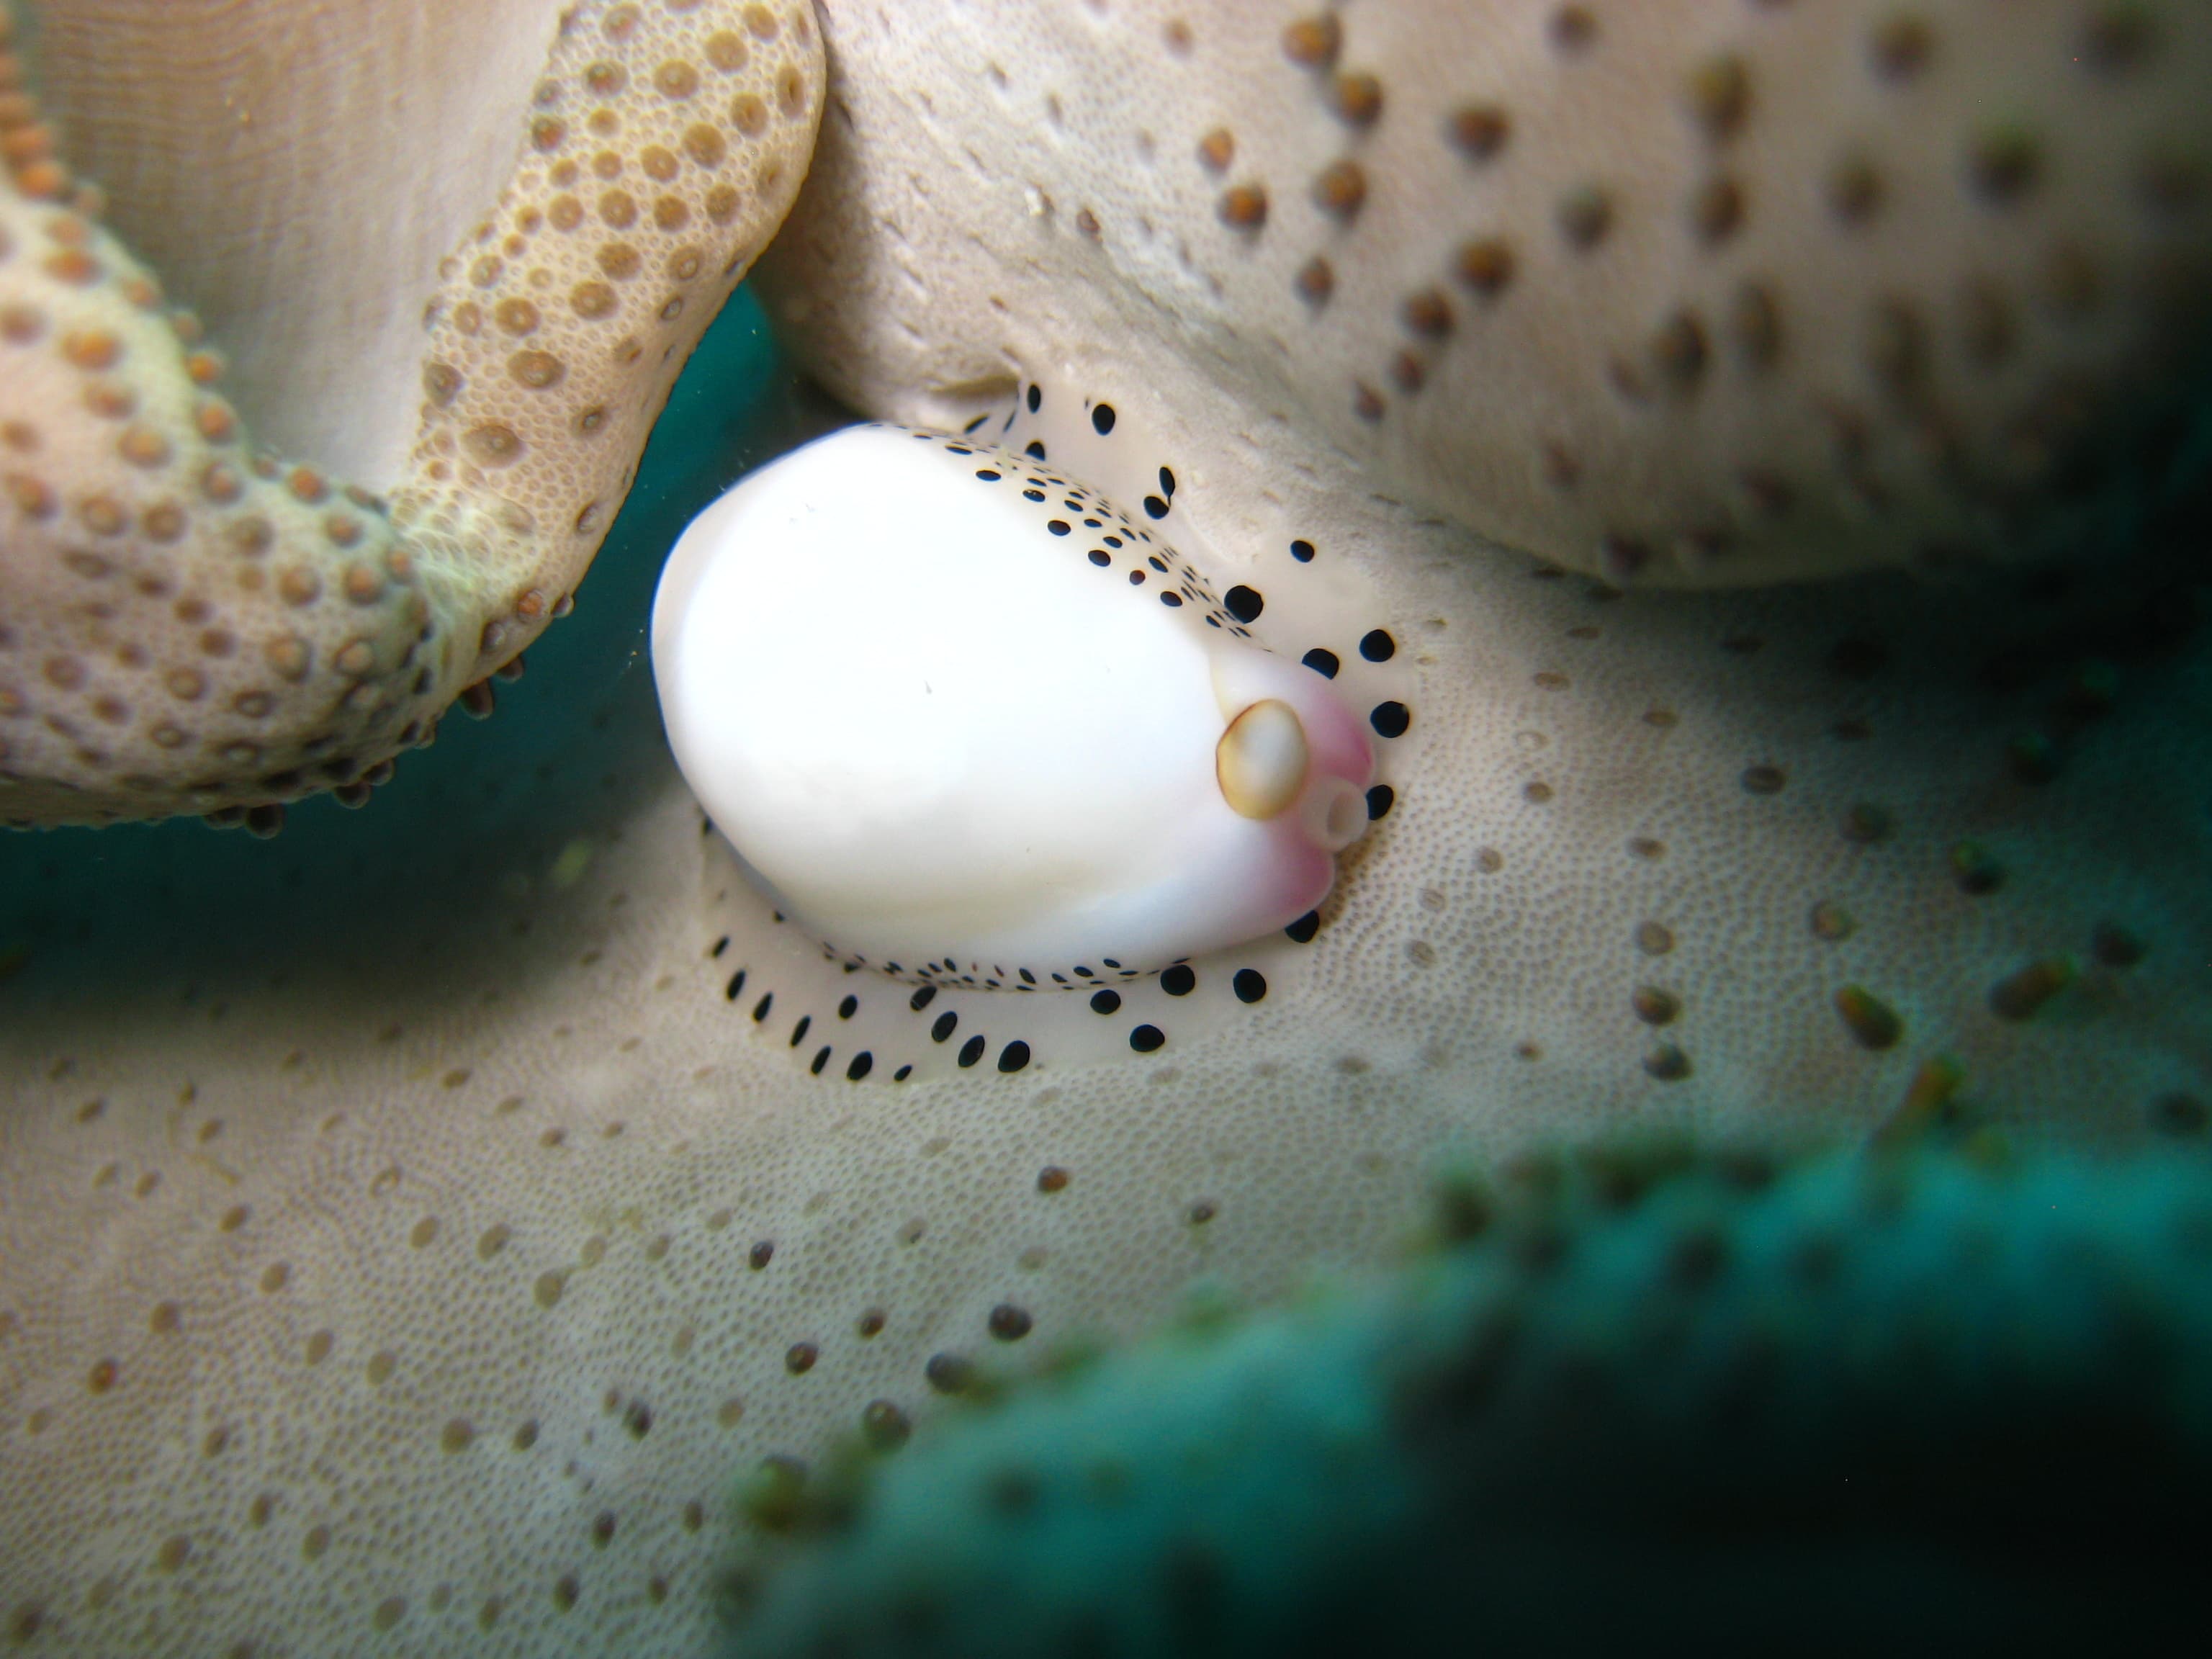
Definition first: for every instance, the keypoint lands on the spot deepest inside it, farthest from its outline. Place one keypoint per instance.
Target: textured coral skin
(403, 1234)
(453, 1238)
(1669, 1401)
(195, 623)
(1687, 292)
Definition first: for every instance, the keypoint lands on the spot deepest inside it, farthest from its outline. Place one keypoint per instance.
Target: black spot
(736, 985)
(949, 1373)
(1301, 550)
(1322, 661)
(1027, 977)
(902, 1074)
(986, 475)
(1111, 541)
(1378, 646)
(1167, 483)
(1146, 1039)
(1014, 1056)
(1302, 931)
(1173, 601)
(848, 1007)
(861, 1065)
(921, 998)
(1249, 984)
(1034, 449)
(1105, 1002)
(1155, 507)
(821, 1060)
(1102, 419)
(760, 1008)
(1100, 557)
(973, 424)
(943, 1029)
(971, 1051)
(1390, 719)
(1032, 495)
(1380, 799)
(1058, 526)
(1036, 397)
(1157, 563)
(1179, 980)
(1244, 603)
(798, 1031)
(723, 942)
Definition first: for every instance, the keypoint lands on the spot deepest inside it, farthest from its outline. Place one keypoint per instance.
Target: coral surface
(405, 1229)
(1691, 292)
(1906, 1403)
(196, 616)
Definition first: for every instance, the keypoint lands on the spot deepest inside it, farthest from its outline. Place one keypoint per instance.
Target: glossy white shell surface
(946, 734)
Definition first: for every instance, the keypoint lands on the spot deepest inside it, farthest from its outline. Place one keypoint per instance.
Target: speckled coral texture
(203, 616)
(404, 1241)
(1873, 1402)
(1692, 292)
(428, 1249)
